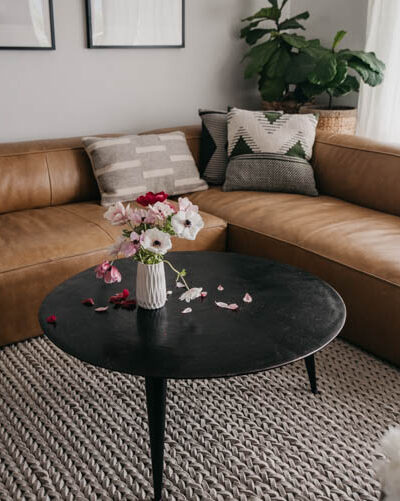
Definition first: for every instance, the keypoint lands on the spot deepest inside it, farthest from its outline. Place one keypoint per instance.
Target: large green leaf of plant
(338, 38)
(349, 85)
(292, 23)
(325, 69)
(278, 63)
(296, 41)
(300, 67)
(259, 57)
(368, 58)
(272, 90)
(311, 90)
(249, 27)
(370, 77)
(254, 35)
(341, 73)
(270, 13)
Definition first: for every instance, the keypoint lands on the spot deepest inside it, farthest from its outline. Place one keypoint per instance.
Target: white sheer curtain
(379, 107)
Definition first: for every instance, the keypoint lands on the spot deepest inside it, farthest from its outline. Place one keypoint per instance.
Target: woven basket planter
(342, 121)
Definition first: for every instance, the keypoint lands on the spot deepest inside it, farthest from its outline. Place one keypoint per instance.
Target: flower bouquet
(146, 238)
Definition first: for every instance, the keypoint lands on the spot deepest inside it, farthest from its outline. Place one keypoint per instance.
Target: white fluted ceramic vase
(151, 289)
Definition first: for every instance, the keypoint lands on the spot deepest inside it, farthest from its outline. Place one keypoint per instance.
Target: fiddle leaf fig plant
(289, 66)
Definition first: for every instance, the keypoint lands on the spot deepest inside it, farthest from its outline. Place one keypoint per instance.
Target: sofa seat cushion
(357, 237)
(40, 248)
(356, 250)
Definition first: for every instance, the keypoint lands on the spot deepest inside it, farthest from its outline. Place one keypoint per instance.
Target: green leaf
(300, 67)
(272, 90)
(325, 69)
(351, 84)
(370, 77)
(254, 35)
(278, 63)
(368, 58)
(270, 13)
(292, 23)
(341, 73)
(249, 27)
(259, 57)
(296, 41)
(338, 38)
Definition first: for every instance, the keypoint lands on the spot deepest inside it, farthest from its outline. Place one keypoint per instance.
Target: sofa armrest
(359, 170)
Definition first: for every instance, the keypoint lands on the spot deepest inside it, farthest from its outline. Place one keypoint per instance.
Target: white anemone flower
(185, 204)
(117, 214)
(155, 240)
(186, 224)
(161, 210)
(191, 294)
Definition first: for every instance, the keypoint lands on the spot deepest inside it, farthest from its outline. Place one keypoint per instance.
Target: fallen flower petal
(101, 309)
(187, 310)
(191, 294)
(247, 298)
(129, 304)
(169, 293)
(220, 288)
(203, 294)
(125, 293)
(117, 298)
(88, 302)
(52, 319)
(232, 306)
(180, 285)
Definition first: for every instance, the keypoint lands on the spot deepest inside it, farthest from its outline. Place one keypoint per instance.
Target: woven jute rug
(69, 431)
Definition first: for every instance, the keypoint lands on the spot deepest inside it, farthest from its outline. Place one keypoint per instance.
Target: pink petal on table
(203, 294)
(180, 285)
(187, 310)
(129, 304)
(247, 298)
(88, 302)
(101, 309)
(52, 319)
(169, 293)
(220, 288)
(226, 306)
(125, 293)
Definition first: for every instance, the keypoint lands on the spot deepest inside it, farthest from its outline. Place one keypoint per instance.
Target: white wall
(75, 91)
(327, 17)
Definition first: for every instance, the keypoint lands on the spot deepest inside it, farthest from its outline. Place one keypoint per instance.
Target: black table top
(293, 315)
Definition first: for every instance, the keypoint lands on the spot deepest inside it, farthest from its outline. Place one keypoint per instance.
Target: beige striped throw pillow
(129, 166)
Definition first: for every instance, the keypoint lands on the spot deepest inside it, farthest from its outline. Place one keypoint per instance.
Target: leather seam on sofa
(314, 253)
(88, 221)
(49, 176)
(367, 150)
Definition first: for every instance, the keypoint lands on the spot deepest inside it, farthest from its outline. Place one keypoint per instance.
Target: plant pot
(288, 106)
(335, 121)
(151, 289)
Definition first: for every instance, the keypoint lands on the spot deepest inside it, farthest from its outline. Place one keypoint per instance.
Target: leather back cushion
(358, 170)
(43, 173)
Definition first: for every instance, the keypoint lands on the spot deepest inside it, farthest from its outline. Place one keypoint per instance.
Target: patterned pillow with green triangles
(271, 132)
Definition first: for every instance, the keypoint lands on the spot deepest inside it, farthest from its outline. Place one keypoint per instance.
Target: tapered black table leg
(156, 390)
(312, 376)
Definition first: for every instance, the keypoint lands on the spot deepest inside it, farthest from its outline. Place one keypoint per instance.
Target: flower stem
(178, 273)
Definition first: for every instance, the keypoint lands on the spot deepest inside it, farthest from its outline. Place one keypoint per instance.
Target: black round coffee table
(292, 316)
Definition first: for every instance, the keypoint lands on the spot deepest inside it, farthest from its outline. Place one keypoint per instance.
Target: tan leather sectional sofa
(52, 226)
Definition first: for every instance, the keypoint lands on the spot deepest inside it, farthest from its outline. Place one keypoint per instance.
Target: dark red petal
(52, 319)
(128, 305)
(125, 293)
(88, 302)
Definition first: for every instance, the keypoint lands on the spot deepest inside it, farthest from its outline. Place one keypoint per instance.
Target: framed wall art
(27, 25)
(135, 23)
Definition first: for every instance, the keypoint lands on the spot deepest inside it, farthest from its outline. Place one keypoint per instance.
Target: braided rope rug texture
(70, 431)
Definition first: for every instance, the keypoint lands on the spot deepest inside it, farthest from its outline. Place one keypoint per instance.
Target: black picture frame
(52, 34)
(90, 44)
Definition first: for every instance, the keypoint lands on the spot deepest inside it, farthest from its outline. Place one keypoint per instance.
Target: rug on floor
(69, 431)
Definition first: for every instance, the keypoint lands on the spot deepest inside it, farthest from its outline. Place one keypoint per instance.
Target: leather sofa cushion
(40, 248)
(357, 237)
